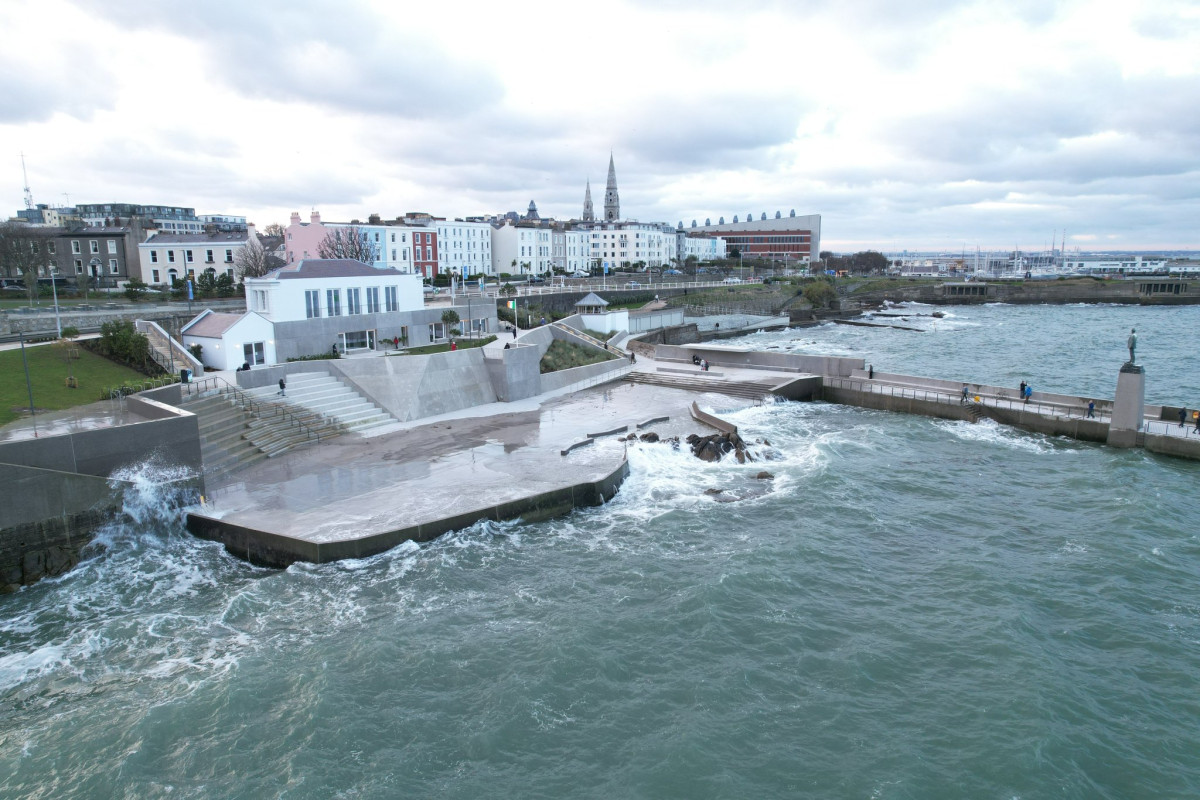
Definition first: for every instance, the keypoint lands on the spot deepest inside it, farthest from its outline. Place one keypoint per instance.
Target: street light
(94, 266)
(54, 288)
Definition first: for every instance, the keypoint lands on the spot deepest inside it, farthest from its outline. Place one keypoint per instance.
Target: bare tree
(352, 243)
(24, 253)
(274, 229)
(252, 261)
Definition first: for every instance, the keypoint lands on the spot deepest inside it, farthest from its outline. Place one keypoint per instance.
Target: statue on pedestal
(1131, 343)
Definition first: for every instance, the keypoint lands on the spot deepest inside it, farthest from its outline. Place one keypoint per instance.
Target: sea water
(906, 608)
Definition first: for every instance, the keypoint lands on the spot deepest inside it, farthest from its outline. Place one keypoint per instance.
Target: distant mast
(28, 191)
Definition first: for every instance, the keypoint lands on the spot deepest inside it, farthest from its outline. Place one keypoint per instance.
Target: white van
(732, 280)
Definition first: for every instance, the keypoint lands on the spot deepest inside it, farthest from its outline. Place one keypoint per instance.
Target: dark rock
(764, 476)
(649, 436)
(713, 491)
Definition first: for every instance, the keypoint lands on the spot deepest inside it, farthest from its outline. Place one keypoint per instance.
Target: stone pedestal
(1128, 406)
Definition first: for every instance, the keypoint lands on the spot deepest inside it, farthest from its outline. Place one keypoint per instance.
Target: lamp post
(94, 271)
(54, 288)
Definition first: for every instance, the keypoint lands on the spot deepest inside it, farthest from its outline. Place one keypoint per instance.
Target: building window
(94, 246)
(437, 330)
(112, 266)
(154, 275)
(187, 254)
(79, 266)
(373, 300)
(254, 353)
(228, 256)
(208, 256)
(260, 300)
(353, 302)
(50, 247)
(312, 304)
(333, 302)
(393, 254)
(112, 247)
(171, 256)
(389, 298)
(153, 256)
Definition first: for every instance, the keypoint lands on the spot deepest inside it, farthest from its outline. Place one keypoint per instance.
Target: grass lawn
(48, 373)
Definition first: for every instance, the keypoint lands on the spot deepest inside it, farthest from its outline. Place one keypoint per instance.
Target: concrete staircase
(327, 397)
(754, 390)
(235, 435)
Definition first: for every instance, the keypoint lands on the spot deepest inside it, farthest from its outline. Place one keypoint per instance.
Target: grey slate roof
(592, 299)
(328, 268)
(199, 238)
(213, 325)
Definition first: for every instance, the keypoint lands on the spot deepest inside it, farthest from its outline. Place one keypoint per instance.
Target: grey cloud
(71, 86)
(339, 57)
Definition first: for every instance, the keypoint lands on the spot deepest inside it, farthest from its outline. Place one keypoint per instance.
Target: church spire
(589, 214)
(612, 202)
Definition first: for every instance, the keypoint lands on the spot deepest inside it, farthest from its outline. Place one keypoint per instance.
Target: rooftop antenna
(28, 191)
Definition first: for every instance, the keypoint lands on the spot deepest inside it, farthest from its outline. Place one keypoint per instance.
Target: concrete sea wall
(274, 550)
(58, 490)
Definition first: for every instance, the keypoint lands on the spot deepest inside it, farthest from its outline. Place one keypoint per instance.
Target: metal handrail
(248, 403)
(587, 337)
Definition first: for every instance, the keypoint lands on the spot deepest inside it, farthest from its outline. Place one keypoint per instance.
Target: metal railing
(176, 355)
(955, 398)
(587, 338)
(247, 403)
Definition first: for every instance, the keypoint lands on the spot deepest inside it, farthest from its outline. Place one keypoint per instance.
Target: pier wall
(753, 359)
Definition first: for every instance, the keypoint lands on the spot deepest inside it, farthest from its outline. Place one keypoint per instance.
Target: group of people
(702, 363)
(1183, 415)
(1025, 392)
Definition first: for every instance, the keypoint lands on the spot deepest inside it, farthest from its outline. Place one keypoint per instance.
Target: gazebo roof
(592, 299)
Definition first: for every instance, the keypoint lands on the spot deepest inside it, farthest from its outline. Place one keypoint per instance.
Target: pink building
(405, 247)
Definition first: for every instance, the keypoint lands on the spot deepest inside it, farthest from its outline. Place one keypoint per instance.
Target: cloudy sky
(926, 124)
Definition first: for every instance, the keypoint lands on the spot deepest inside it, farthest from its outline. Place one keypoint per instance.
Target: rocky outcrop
(714, 447)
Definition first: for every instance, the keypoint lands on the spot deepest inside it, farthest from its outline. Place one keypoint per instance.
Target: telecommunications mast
(28, 191)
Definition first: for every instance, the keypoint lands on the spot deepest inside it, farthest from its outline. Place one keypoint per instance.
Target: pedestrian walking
(1091, 409)
(632, 359)
(1028, 392)
(1182, 417)
(514, 330)
(282, 387)
(1021, 391)
(871, 372)
(1196, 416)
(965, 392)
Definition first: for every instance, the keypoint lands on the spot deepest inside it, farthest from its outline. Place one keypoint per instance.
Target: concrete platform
(357, 496)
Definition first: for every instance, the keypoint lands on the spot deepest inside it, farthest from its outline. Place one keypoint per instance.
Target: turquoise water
(910, 608)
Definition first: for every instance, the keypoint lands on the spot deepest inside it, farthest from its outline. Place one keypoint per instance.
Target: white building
(704, 248)
(628, 245)
(571, 250)
(166, 257)
(228, 341)
(464, 248)
(522, 250)
(224, 222)
(316, 288)
(1107, 265)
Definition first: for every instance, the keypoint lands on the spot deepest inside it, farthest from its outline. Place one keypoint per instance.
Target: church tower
(612, 203)
(589, 214)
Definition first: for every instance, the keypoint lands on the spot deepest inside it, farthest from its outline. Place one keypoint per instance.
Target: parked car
(732, 280)
(632, 285)
(536, 279)
(671, 272)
